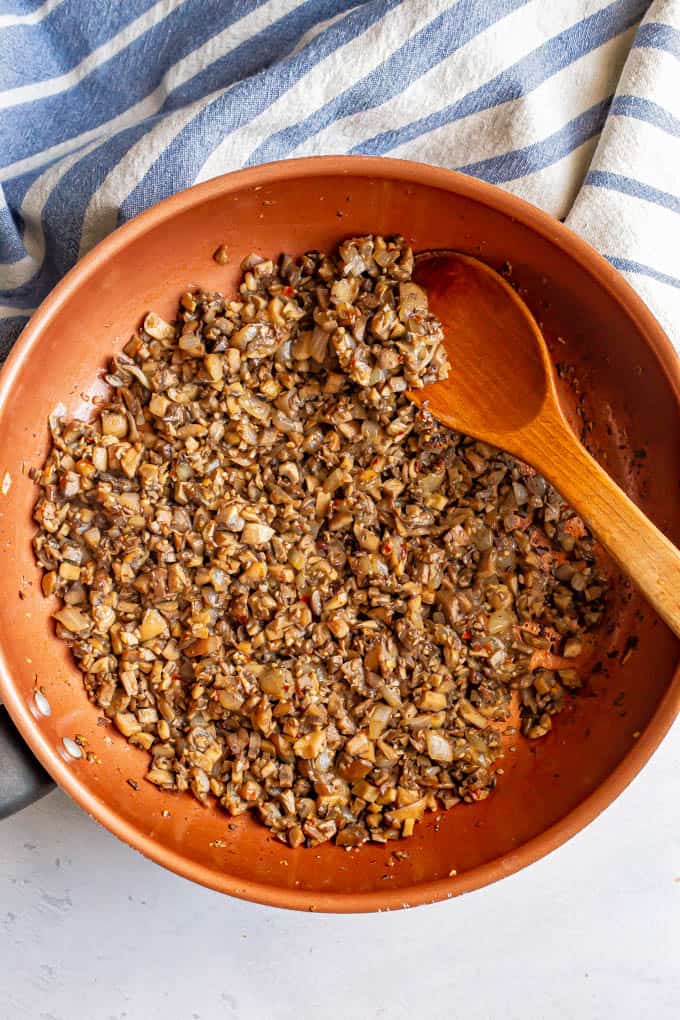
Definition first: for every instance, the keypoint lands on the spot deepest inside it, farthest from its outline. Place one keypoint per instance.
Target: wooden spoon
(501, 389)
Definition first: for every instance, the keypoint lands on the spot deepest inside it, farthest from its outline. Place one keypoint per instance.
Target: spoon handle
(650, 559)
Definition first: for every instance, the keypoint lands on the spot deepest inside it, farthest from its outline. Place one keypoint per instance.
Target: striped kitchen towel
(105, 108)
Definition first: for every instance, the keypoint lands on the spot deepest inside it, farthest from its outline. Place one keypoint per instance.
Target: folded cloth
(107, 108)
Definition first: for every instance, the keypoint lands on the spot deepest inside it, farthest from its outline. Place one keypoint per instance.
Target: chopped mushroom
(256, 534)
(296, 592)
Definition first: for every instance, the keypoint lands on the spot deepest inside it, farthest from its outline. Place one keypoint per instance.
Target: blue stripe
(21, 301)
(273, 43)
(9, 331)
(11, 248)
(521, 78)
(15, 192)
(21, 7)
(657, 36)
(645, 109)
(190, 148)
(255, 55)
(426, 49)
(56, 45)
(538, 155)
(628, 266)
(32, 127)
(630, 186)
(63, 214)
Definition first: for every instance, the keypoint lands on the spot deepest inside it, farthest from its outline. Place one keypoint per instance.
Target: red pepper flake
(387, 548)
(467, 634)
(304, 598)
(176, 676)
(288, 291)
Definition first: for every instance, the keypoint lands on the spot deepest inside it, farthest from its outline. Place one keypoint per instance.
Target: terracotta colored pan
(627, 376)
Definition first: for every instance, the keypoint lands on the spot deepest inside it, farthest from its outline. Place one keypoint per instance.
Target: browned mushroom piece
(294, 590)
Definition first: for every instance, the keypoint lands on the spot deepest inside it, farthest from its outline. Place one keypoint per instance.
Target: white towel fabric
(629, 205)
(107, 108)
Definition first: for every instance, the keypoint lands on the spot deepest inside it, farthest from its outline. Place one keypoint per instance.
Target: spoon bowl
(485, 324)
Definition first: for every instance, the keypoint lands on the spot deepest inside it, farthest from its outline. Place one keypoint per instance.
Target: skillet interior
(550, 787)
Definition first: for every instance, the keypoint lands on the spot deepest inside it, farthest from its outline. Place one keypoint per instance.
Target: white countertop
(89, 930)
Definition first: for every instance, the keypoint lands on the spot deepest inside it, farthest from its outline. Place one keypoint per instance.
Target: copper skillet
(627, 382)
